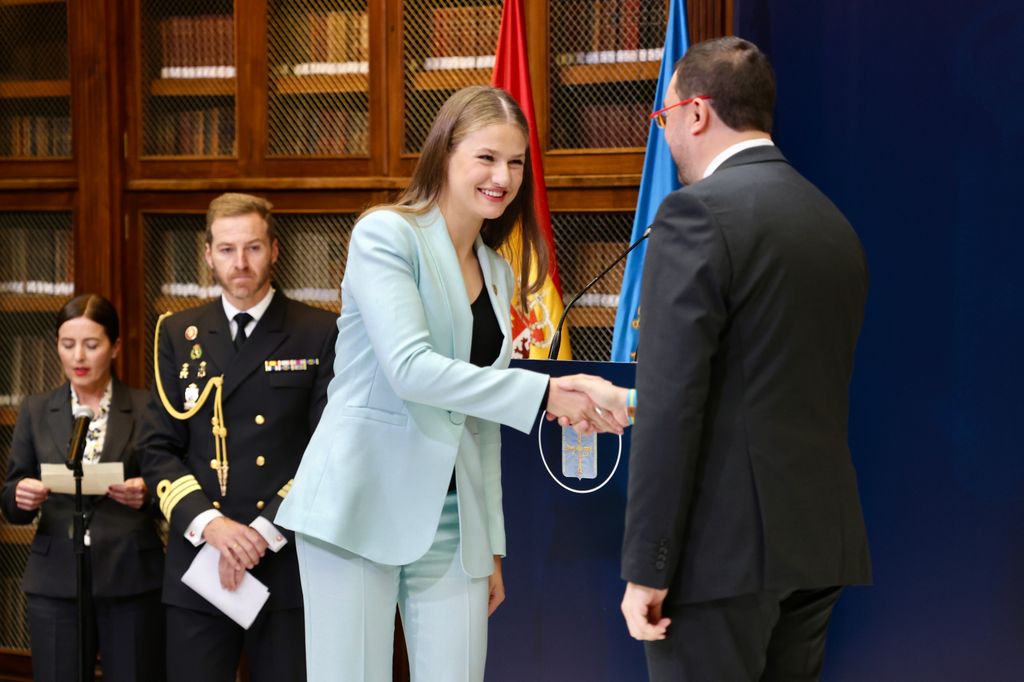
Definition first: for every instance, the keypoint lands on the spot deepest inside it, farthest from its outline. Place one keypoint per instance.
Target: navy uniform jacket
(127, 555)
(269, 416)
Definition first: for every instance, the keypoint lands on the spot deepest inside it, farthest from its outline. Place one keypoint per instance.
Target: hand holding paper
(30, 494)
(131, 493)
(242, 604)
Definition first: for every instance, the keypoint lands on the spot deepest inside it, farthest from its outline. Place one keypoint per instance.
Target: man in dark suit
(743, 521)
(222, 485)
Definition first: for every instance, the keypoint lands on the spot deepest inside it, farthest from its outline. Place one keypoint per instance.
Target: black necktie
(242, 320)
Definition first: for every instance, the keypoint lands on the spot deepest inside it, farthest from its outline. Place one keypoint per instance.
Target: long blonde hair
(465, 112)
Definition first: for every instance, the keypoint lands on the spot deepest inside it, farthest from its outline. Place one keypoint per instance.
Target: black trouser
(128, 632)
(207, 647)
(769, 636)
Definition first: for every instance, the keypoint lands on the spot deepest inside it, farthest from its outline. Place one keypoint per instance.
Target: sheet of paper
(96, 478)
(242, 605)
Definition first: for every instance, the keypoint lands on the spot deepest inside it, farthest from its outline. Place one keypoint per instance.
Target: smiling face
(86, 352)
(241, 255)
(485, 172)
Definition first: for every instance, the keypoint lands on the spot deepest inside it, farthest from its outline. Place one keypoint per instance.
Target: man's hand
(573, 407)
(641, 606)
(30, 494)
(495, 588)
(131, 493)
(609, 400)
(240, 544)
(230, 576)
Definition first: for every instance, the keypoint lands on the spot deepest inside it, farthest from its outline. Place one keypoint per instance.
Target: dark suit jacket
(740, 473)
(127, 555)
(269, 415)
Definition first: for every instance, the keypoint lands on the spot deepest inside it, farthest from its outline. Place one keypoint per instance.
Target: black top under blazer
(270, 416)
(740, 474)
(126, 552)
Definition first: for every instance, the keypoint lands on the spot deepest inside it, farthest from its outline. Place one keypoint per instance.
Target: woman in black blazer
(125, 557)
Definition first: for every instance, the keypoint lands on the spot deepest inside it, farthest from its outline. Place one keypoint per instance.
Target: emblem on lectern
(579, 454)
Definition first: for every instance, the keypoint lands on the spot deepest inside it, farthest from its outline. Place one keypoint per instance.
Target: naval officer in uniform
(240, 385)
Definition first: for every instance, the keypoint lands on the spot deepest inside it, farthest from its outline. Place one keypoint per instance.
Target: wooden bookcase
(121, 119)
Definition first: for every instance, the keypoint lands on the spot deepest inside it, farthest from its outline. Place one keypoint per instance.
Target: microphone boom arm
(556, 340)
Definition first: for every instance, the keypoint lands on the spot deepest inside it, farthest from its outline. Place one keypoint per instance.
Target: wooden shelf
(31, 303)
(16, 535)
(8, 415)
(590, 74)
(192, 87)
(34, 89)
(591, 317)
(450, 79)
(350, 83)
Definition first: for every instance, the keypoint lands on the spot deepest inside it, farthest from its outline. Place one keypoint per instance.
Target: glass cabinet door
(189, 79)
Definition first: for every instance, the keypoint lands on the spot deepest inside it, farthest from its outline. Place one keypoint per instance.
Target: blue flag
(658, 180)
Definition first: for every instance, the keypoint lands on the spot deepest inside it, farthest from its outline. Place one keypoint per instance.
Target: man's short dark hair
(737, 76)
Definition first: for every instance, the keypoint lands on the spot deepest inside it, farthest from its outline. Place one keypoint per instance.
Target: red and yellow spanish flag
(532, 329)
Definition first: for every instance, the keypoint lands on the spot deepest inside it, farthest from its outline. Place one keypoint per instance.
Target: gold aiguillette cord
(220, 431)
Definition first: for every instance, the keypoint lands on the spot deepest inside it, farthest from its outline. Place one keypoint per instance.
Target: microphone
(556, 340)
(83, 415)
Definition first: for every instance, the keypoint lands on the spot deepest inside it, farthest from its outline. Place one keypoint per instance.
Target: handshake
(587, 404)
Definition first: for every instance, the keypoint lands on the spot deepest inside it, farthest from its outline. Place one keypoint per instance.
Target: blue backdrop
(909, 115)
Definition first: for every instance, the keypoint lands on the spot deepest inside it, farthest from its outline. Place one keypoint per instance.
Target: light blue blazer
(406, 406)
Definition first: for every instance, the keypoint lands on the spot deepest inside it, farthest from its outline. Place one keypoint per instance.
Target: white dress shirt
(731, 151)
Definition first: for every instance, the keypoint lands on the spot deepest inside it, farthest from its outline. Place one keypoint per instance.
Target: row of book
(35, 287)
(319, 132)
(193, 132)
(464, 31)
(32, 365)
(206, 42)
(35, 136)
(614, 125)
(645, 54)
(31, 56)
(32, 254)
(324, 37)
(608, 25)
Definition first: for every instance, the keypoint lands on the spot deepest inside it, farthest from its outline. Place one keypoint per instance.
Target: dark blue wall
(910, 115)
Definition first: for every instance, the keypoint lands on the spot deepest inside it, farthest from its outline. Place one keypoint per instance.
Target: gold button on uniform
(261, 460)
(216, 504)
(260, 504)
(213, 463)
(260, 419)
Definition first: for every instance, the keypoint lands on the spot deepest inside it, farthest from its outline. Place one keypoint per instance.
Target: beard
(244, 289)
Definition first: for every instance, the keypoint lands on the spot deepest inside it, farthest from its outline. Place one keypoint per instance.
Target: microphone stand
(80, 549)
(74, 462)
(556, 340)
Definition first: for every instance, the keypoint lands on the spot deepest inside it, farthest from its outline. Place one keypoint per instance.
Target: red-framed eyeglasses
(659, 115)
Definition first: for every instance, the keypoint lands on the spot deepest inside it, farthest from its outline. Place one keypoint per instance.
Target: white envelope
(96, 478)
(242, 605)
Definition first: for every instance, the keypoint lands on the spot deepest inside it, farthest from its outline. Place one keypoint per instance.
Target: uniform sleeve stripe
(177, 490)
(283, 492)
(169, 488)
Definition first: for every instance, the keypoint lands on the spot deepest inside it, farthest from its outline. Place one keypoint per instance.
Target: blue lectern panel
(561, 618)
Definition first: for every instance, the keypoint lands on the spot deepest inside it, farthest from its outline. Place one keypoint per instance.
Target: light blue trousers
(350, 611)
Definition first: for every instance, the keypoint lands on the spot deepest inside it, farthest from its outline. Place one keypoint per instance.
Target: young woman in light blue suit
(398, 497)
